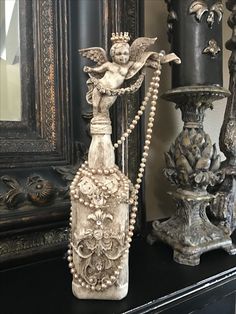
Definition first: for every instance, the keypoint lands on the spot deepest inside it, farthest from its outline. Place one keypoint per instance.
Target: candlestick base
(193, 165)
(189, 232)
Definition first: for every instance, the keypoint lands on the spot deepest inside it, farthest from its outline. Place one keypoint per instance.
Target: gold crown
(120, 37)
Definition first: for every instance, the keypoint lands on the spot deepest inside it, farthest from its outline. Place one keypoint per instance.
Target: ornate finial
(120, 37)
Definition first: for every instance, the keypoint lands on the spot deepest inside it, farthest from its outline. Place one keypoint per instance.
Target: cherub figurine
(106, 79)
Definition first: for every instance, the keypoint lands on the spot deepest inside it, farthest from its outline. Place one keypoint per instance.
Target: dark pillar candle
(197, 39)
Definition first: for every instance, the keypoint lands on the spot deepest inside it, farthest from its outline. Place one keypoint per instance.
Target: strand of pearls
(153, 89)
(134, 189)
(153, 94)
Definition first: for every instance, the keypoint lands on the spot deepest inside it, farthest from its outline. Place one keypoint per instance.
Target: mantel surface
(157, 284)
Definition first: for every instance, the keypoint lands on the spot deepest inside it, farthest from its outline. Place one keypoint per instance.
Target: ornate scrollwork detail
(212, 49)
(47, 71)
(200, 7)
(99, 249)
(36, 191)
(19, 244)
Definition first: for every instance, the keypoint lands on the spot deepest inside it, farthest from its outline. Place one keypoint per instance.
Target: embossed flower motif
(87, 186)
(99, 217)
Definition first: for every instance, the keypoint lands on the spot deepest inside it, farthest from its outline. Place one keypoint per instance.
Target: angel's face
(121, 54)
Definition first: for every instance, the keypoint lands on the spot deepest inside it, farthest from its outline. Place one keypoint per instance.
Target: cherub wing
(96, 54)
(139, 55)
(218, 8)
(142, 61)
(139, 46)
(198, 8)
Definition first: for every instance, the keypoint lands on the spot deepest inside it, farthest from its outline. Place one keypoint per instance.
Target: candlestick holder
(223, 211)
(192, 165)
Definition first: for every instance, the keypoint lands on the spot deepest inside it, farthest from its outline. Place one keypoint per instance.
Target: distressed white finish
(100, 194)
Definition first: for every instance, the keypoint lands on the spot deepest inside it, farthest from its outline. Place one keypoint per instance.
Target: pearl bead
(132, 221)
(139, 180)
(149, 95)
(150, 89)
(142, 107)
(140, 175)
(83, 284)
(81, 200)
(69, 252)
(129, 239)
(116, 145)
(155, 91)
(130, 233)
(145, 154)
(122, 138)
(150, 125)
(152, 114)
(119, 142)
(126, 134)
(130, 228)
(71, 265)
(151, 119)
(153, 108)
(154, 97)
(69, 258)
(140, 112)
(116, 272)
(72, 270)
(137, 117)
(133, 215)
(148, 136)
(132, 126)
(147, 142)
(113, 277)
(134, 209)
(144, 160)
(87, 286)
(75, 276)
